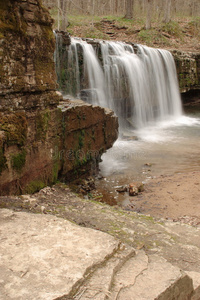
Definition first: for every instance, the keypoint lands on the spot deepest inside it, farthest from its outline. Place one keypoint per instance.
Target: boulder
(135, 188)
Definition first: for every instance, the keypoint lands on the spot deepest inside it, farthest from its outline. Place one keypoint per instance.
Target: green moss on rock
(18, 161)
(34, 186)
(3, 161)
(81, 139)
(42, 122)
(10, 19)
(15, 128)
(55, 172)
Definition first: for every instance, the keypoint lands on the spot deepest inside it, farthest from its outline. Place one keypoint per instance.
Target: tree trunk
(64, 21)
(116, 6)
(82, 6)
(149, 12)
(58, 14)
(167, 17)
(129, 9)
(62, 4)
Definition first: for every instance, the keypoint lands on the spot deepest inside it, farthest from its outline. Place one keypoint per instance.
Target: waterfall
(137, 82)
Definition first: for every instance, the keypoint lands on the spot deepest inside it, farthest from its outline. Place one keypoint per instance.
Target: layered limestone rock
(87, 132)
(26, 62)
(35, 132)
(188, 70)
(39, 146)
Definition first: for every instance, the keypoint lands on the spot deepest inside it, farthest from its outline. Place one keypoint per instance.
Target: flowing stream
(140, 85)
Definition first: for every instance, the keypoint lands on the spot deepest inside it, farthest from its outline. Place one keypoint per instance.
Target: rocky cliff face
(41, 138)
(188, 70)
(26, 64)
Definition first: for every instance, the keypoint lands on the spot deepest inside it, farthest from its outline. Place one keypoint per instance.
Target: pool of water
(169, 147)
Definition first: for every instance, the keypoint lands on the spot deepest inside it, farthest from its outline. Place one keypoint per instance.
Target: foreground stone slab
(43, 257)
(149, 278)
(196, 282)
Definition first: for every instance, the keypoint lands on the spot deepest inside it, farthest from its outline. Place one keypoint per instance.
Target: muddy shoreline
(172, 197)
(175, 197)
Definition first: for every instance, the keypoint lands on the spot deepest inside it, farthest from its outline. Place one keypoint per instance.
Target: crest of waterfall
(137, 82)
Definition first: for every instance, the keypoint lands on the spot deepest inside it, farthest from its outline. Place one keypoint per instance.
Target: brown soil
(183, 36)
(175, 197)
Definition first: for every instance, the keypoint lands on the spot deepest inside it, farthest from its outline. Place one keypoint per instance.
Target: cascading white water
(92, 73)
(140, 85)
(150, 80)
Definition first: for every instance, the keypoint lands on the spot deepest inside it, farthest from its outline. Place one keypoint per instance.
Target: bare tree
(129, 9)
(58, 6)
(62, 15)
(64, 20)
(116, 6)
(161, 9)
(167, 16)
(149, 13)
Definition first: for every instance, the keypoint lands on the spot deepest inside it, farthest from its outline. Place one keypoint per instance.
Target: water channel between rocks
(168, 148)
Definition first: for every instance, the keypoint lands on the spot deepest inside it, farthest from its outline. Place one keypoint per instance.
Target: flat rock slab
(44, 257)
(150, 278)
(196, 282)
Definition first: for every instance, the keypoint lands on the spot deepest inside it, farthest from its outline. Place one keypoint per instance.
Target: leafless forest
(129, 7)
(161, 10)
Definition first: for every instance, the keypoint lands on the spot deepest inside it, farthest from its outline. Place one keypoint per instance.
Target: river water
(140, 85)
(170, 147)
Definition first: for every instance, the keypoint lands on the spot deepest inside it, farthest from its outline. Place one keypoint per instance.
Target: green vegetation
(93, 135)
(10, 21)
(182, 30)
(173, 28)
(15, 127)
(81, 139)
(42, 122)
(152, 37)
(34, 186)
(2, 161)
(55, 172)
(194, 27)
(18, 161)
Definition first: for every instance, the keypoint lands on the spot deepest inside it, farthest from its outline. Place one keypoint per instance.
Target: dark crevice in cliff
(191, 97)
